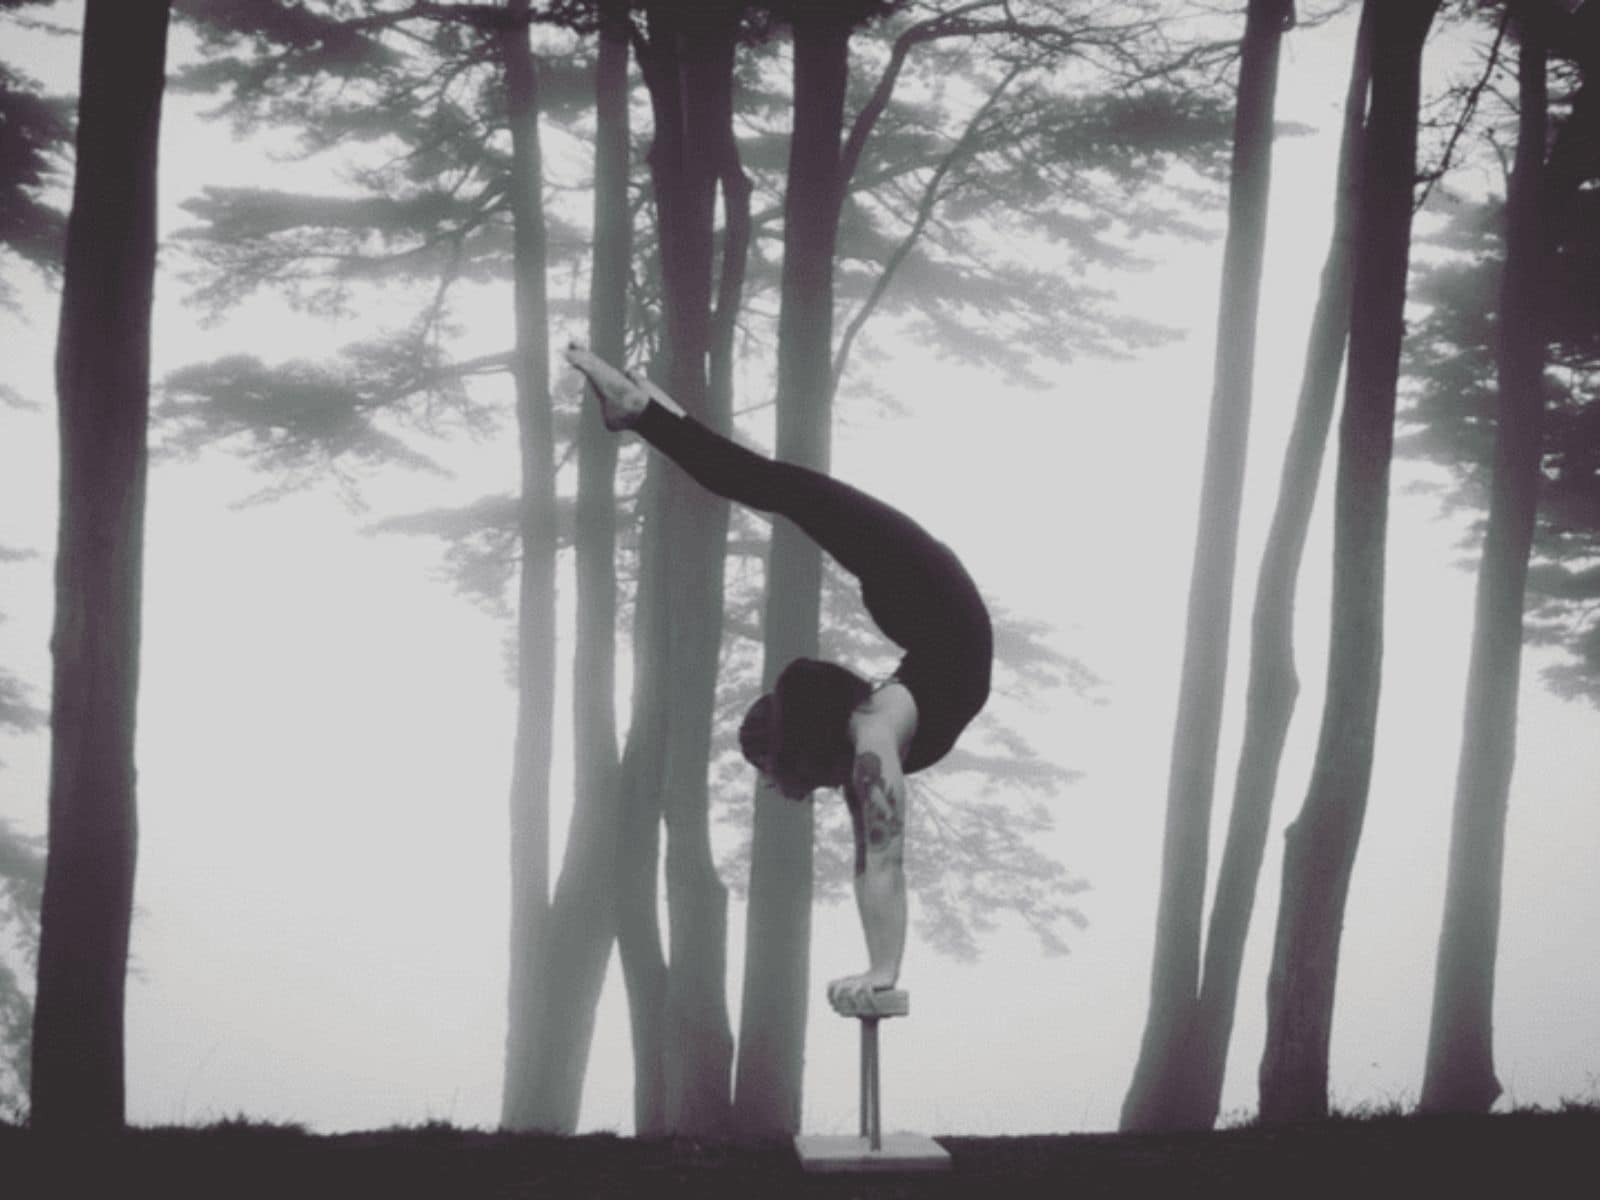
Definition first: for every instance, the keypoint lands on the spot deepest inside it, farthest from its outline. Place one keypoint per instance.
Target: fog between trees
(776, 205)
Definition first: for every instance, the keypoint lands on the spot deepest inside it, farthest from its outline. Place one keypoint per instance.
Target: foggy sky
(325, 735)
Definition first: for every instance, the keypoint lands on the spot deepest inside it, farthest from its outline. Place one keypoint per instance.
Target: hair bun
(758, 734)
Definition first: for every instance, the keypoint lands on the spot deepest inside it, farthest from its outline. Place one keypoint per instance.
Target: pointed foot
(621, 397)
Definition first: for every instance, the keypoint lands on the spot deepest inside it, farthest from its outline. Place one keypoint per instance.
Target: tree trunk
(767, 1095)
(644, 966)
(688, 67)
(103, 384)
(1274, 685)
(536, 631)
(1460, 1075)
(1174, 977)
(583, 914)
(1321, 844)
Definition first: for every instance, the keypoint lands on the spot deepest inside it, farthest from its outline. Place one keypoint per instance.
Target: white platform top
(893, 1003)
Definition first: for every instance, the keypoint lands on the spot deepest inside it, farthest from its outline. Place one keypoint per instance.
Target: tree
(536, 594)
(1451, 419)
(1504, 357)
(1460, 1065)
(953, 237)
(687, 62)
(1154, 1096)
(1322, 841)
(582, 924)
(778, 929)
(102, 374)
(1197, 1074)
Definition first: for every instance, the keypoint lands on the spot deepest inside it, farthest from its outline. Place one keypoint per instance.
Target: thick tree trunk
(767, 1094)
(103, 385)
(583, 914)
(1321, 844)
(688, 66)
(1274, 683)
(536, 623)
(1460, 1075)
(1174, 977)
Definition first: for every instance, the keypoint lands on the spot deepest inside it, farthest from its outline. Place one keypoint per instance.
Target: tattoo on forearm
(857, 827)
(876, 810)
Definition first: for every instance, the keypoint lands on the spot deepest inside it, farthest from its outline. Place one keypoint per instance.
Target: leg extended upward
(859, 531)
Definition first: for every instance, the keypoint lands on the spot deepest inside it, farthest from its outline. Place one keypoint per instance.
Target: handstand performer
(823, 725)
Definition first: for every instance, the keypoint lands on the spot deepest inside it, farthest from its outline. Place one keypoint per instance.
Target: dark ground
(1523, 1156)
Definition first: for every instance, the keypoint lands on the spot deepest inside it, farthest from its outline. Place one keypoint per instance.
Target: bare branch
(925, 208)
(1468, 110)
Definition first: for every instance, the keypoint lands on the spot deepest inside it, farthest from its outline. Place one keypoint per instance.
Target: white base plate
(900, 1152)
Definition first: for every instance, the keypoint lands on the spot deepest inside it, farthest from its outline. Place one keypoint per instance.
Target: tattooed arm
(877, 797)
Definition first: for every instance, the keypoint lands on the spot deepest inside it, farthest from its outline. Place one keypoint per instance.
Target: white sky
(325, 741)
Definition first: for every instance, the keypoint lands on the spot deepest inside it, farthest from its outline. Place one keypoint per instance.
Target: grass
(1528, 1154)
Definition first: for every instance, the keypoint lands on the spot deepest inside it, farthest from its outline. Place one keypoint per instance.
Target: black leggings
(913, 586)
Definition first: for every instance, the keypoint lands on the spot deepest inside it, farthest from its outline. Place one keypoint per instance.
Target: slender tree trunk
(1274, 683)
(536, 631)
(772, 1019)
(1174, 977)
(1321, 844)
(1460, 1074)
(733, 262)
(103, 385)
(688, 66)
(699, 1048)
(644, 965)
(583, 913)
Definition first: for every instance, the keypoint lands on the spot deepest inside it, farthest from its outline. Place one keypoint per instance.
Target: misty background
(325, 723)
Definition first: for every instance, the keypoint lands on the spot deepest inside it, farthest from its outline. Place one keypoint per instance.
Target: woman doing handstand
(823, 725)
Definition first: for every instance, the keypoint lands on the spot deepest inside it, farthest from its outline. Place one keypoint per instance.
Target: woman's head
(798, 734)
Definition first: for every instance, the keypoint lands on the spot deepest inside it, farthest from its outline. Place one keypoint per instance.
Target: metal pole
(866, 1078)
(869, 1030)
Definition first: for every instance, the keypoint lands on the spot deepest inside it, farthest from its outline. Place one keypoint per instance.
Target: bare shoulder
(885, 720)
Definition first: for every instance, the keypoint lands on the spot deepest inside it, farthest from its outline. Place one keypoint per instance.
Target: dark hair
(801, 728)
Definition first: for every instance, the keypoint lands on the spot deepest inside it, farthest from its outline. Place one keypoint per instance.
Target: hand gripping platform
(871, 1151)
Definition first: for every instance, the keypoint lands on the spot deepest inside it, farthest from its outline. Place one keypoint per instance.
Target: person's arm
(878, 799)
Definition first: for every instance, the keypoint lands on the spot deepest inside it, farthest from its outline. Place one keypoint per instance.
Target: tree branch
(930, 199)
(955, 23)
(1468, 110)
